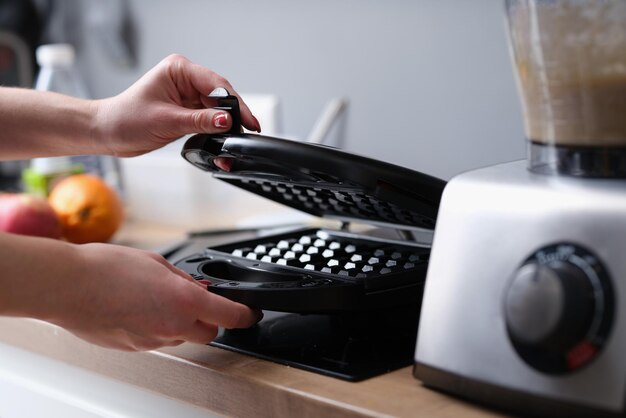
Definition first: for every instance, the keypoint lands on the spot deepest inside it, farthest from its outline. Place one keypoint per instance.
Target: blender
(523, 303)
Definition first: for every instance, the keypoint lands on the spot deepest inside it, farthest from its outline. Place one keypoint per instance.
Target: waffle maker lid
(317, 179)
(320, 180)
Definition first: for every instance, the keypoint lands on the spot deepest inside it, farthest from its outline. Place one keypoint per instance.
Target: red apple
(28, 215)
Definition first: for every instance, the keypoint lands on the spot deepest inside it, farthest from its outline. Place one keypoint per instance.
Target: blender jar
(570, 62)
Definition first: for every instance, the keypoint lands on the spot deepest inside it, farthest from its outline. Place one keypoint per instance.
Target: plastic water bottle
(58, 73)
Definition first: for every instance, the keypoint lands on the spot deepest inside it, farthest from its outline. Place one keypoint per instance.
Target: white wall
(430, 82)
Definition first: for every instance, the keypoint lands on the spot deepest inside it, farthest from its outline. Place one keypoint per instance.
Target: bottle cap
(55, 54)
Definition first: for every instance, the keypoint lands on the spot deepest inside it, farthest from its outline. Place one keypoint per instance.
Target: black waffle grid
(333, 254)
(340, 203)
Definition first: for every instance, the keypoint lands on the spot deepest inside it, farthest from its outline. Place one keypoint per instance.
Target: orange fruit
(89, 210)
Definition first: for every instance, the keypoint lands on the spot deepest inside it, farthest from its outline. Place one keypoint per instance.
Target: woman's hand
(165, 104)
(168, 102)
(110, 295)
(132, 299)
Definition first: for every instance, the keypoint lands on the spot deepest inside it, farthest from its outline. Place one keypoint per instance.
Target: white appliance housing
(524, 299)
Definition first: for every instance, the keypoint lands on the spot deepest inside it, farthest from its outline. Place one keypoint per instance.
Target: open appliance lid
(320, 180)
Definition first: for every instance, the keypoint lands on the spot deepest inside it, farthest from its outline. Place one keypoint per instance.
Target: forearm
(110, 295)
(36, 276)
(37, 124)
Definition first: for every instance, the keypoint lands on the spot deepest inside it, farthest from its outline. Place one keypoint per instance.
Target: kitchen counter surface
(232, 384)
(226, 383)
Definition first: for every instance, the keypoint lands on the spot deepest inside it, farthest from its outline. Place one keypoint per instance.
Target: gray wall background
(429, 81)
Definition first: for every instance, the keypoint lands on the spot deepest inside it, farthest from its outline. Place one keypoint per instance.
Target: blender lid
(320, 180)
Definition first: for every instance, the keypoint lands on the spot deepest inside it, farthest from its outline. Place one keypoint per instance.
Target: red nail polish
(204, 282)
(220, 120)
(257, 124)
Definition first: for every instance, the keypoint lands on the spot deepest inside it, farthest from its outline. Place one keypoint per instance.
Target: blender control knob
(549, 306)
(558, 308)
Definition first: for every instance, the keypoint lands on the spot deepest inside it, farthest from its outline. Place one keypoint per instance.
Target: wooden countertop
(233, 384)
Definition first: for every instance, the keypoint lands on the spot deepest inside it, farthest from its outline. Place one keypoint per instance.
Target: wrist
(99, 127)
(60, 291)
(37, 276)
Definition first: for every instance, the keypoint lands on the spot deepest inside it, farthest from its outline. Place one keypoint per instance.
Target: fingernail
(223, 163)
(257, 124)
(204, 282)
(220, 120)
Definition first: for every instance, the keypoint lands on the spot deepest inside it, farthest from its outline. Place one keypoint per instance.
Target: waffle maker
(315, 270)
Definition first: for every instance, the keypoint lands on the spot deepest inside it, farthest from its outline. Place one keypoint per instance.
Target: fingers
(120, 339)
(205, 81)
(214, 309)
(161, 260)
(201, 333)
(203, 120)
(179, 272)
(174, 343)
(198, 333)
(220, 311)
(127, 340)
